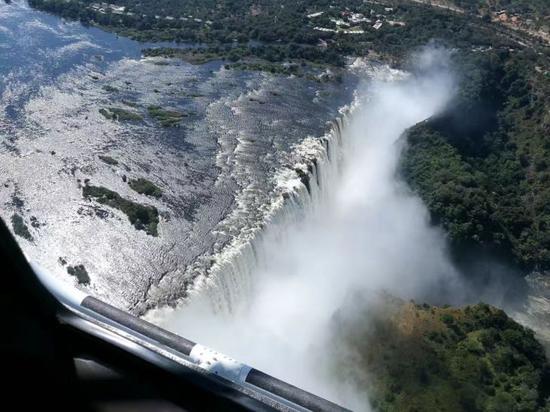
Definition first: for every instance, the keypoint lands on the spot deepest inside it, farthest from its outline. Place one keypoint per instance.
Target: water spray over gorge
(352, 227)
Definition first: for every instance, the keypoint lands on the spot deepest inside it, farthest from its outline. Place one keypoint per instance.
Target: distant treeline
(527, 8)
(283, 27)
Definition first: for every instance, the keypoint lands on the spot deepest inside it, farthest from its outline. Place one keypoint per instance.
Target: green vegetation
(483, 166)
(145, 187)
(284, 69)
(110, 89)
(427, 358)
(265, 53)
(109, 160)
(193, 56)
(167, 118)
(81, 274)
(282, 31)
(533, 9)
(118, 114)
(20, 228)
(288, 37)
(144, 218)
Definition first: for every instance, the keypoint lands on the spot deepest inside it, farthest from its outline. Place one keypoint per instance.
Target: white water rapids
(358, 228)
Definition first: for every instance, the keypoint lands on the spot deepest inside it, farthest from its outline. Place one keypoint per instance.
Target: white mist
(368, 233)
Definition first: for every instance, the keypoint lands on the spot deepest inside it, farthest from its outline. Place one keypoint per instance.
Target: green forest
(483, 166)
(430, 358)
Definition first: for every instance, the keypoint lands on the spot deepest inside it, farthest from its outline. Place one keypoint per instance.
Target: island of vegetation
(110, 89)
(166, 118)
(80, 273)
(118, 114)
(145, 187)
(144, 218)
(20, 228)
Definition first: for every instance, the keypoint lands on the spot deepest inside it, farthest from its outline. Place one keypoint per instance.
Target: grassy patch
(167, 118)
(80, 273)
(144, 218)
(20, 228)
(115, 113)
(145, 187)
(109, 160)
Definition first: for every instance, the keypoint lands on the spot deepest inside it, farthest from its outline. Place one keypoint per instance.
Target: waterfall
(301, 185)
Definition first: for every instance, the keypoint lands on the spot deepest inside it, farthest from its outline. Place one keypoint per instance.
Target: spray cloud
(368, 233)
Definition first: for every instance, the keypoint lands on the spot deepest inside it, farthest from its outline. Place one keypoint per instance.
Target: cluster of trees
(428, 358)
(221, 23)
(269, 52)
(274, 31)
(142, 217)
(482, 167)
(271, 31)
(535, 9)
(20, 228)
(80, 273)
(145, 187)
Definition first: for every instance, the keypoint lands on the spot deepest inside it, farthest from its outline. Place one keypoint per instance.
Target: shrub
(81, 274)
(167, 118)
(145, 187)
(114, 113)
(109, 160)
(20, 228)
(447, 318)
(144, 218)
